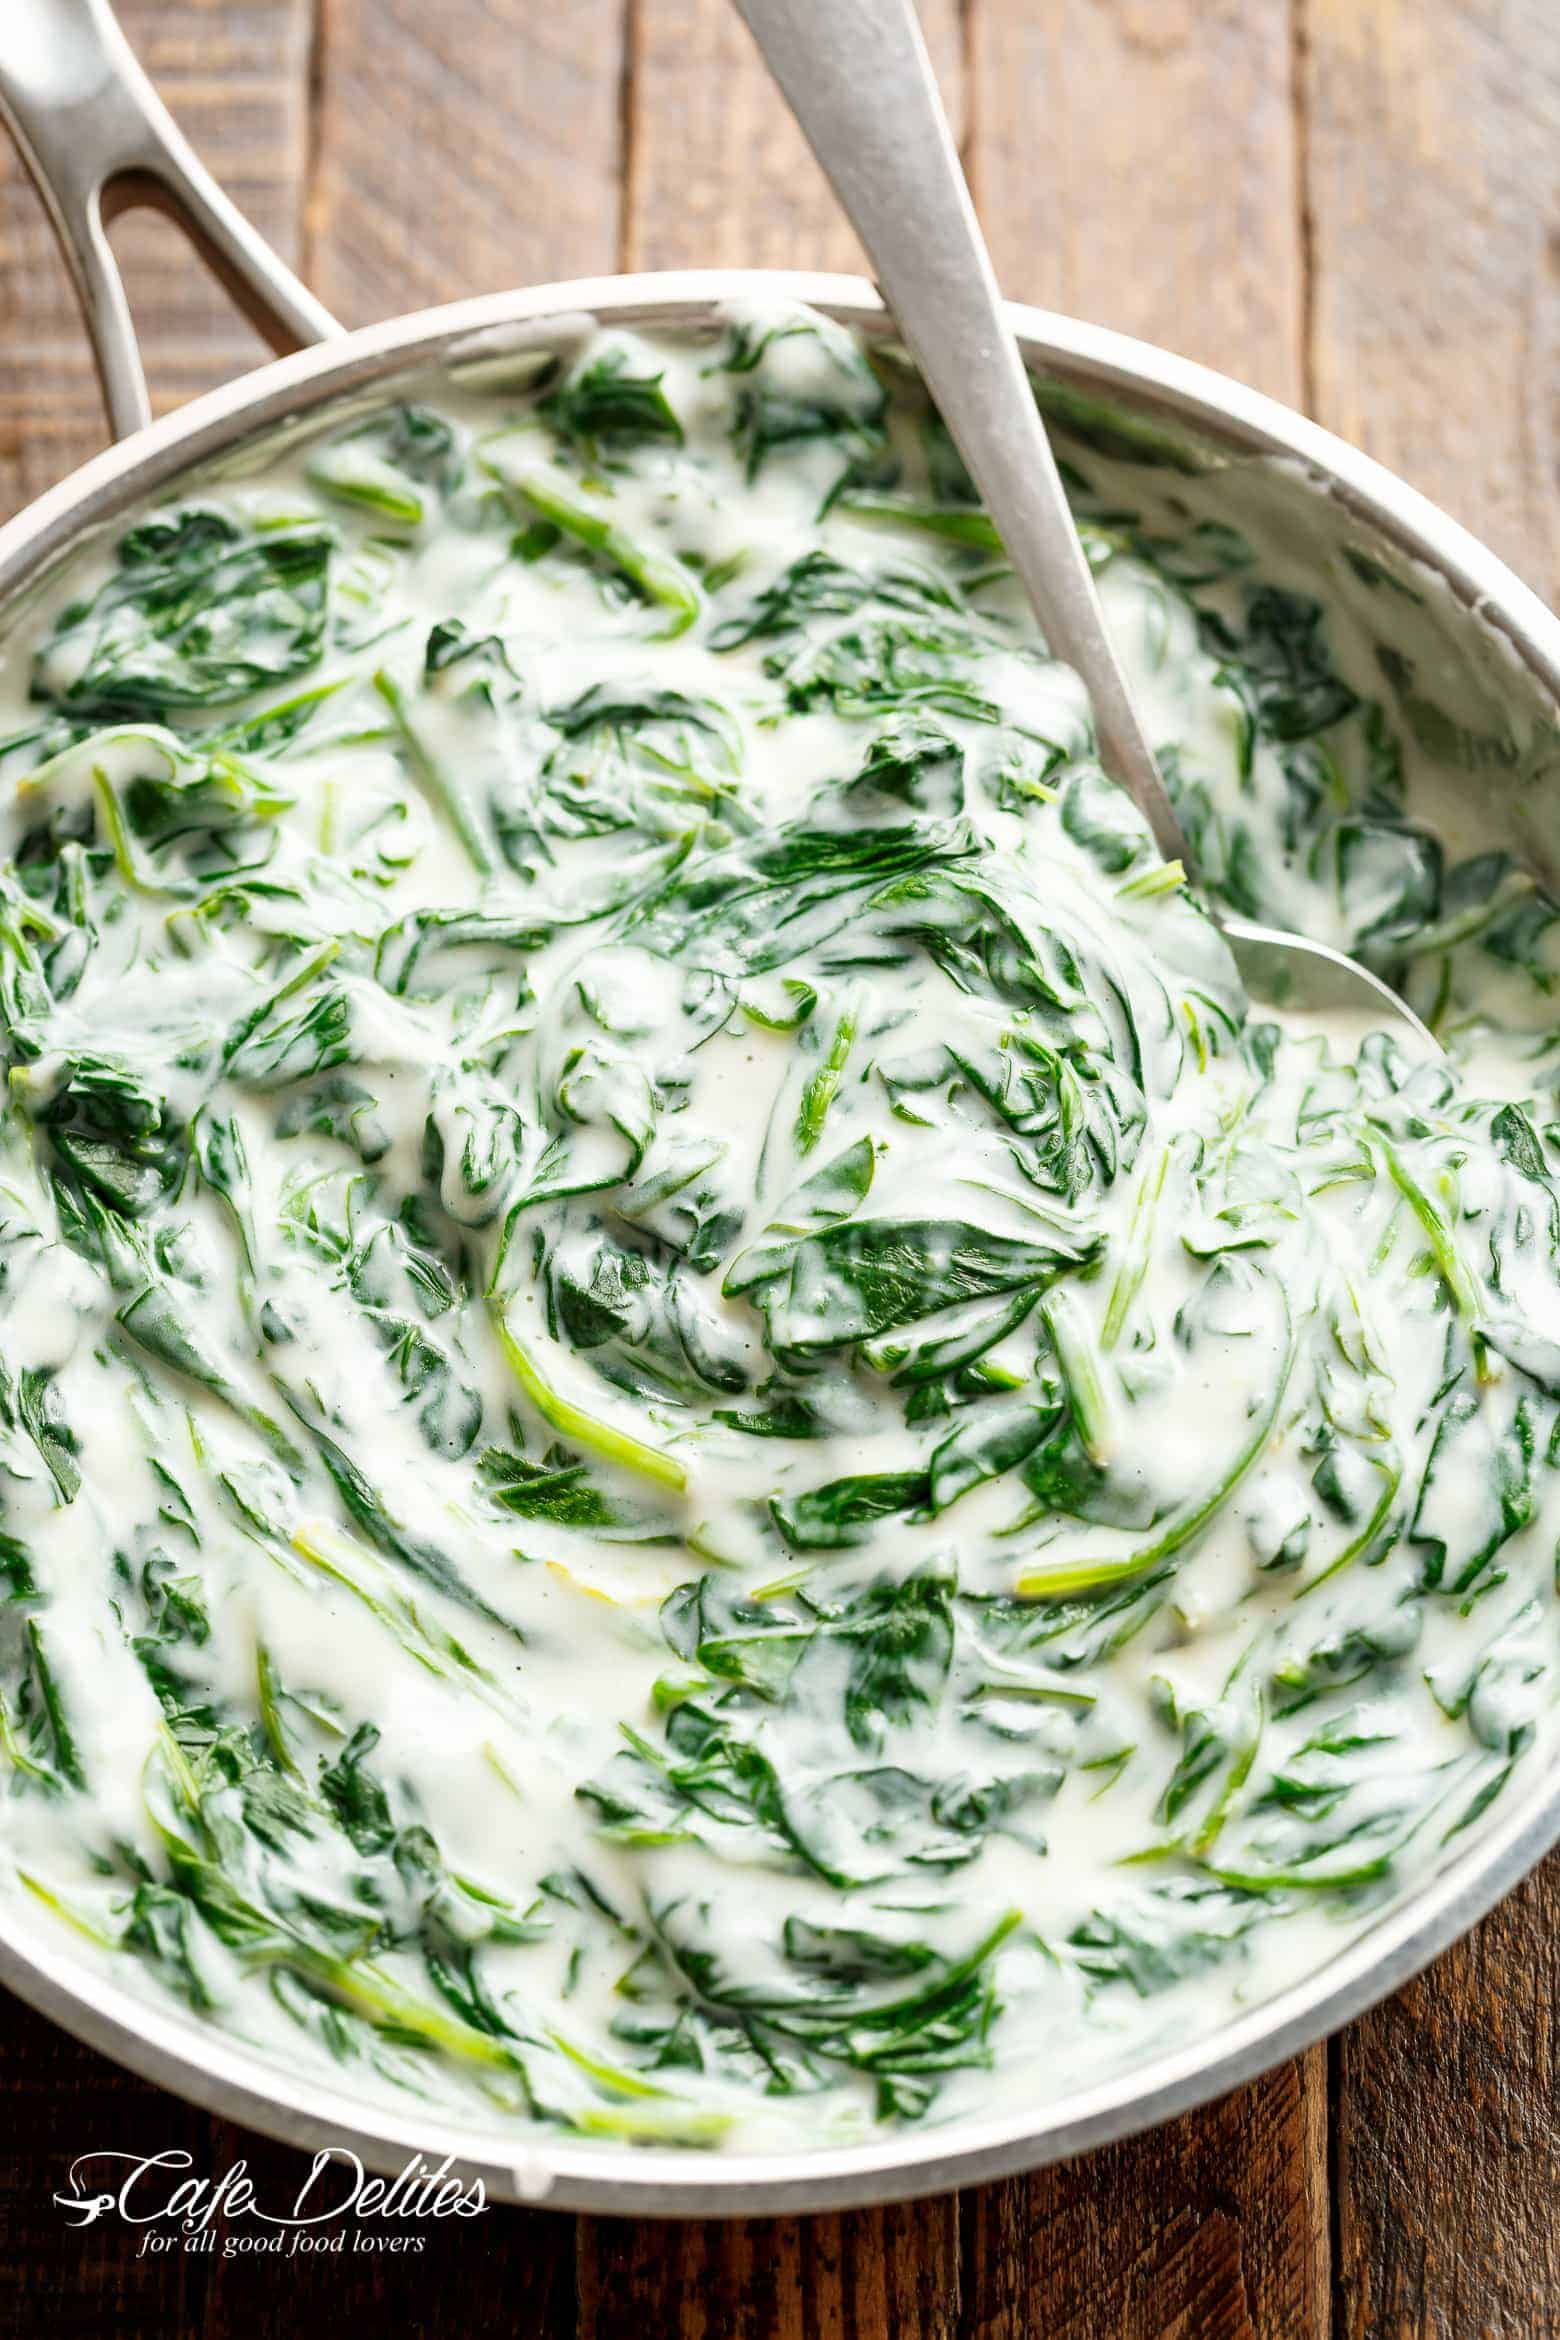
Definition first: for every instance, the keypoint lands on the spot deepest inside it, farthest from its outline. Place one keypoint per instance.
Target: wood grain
(235, 73)
(1434, 202)
(1135, 164)
(58, 2100)
(874, 2275)
(1448, 2140)
(1361, 195)
(1212, 2228)
(719, 175)
(508, 2275)
(462, 146)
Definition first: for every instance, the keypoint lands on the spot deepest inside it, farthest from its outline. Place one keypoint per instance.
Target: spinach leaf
(1282, 661)
(603, 406)
(196, 614)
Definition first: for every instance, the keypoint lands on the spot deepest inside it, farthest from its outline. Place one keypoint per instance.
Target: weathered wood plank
(506, 2275)
(1434, 169)
(874, 2275)
(1448, 2139)
(1434, 192)
(235, 73)
(1432, 130)
(1135, 163)
(1212, 2228)
(719, 175)
(60, 2280)
(462, 146)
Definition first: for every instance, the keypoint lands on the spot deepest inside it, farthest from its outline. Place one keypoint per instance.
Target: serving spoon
(856, 75)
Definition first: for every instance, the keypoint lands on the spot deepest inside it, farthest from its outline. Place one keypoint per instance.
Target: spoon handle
(856, 75)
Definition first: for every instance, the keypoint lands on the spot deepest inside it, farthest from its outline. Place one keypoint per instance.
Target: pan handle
(98, 140)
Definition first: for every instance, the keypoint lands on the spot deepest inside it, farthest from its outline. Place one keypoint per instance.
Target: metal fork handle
(98, 140)
(858, 79)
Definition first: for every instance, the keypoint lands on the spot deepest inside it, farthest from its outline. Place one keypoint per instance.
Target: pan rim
(216, 2071)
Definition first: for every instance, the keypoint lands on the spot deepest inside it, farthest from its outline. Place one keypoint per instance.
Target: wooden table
(1354, 204)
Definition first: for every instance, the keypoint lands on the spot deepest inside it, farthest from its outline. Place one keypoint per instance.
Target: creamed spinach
(700, 1438)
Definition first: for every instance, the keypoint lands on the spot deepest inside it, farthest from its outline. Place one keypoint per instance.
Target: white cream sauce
(1205, 1701)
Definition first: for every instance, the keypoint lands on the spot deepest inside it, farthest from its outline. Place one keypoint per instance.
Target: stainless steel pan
(95, 135)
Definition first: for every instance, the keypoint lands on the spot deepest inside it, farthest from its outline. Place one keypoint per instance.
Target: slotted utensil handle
(98, 140)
